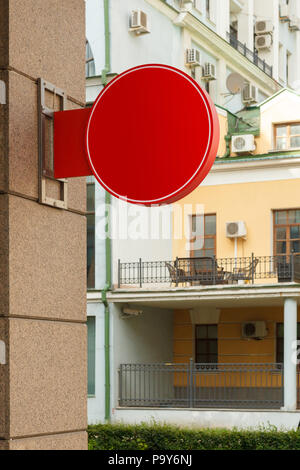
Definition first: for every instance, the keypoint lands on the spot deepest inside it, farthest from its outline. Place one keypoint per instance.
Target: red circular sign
(152, 136)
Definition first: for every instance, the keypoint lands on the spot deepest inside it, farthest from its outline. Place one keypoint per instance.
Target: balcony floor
(248, 295)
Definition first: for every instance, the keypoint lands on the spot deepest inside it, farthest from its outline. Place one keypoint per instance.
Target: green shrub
(163, 437)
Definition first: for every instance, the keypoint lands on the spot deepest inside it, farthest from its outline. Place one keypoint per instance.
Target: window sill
(91, 396)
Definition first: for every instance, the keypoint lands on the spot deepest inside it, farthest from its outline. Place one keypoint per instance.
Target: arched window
(89, 61)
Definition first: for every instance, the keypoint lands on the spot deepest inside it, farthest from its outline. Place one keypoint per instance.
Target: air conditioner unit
(284, 13)
(236, 229)
(254, 330)
(209, 72)
(263, 42)
(250, 94)
(139, 23)
(263, 27)
(294, 24)
(243, 143)
(193, 58)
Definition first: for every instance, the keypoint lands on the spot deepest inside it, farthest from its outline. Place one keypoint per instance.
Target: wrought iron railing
(211, 271)
(192, 385)
(252, 56)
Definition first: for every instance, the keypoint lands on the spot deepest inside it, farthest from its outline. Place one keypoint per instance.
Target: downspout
(229, 136)
(107, 67)
(107, 286)
(227, 140)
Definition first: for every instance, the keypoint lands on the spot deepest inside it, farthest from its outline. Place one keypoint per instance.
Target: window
(89, 61)
(287, 136)
(287, 232)
(203, 242)
(206, 344)
(279, 341)
(91, 330)
(90, 234)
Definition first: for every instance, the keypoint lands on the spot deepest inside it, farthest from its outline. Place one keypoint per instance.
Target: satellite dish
(235, 83)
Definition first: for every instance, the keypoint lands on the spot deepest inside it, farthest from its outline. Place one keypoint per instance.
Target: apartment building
(176, 326)
(216, 326)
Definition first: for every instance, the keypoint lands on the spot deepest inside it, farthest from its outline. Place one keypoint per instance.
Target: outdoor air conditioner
(250, 94)
(263, 27)
(254, 330)
(243, 143)
(139, 22)
(284, 13)
(294, 24)
(193, 57)
(236, 229)
(209, 72)
(263, 42)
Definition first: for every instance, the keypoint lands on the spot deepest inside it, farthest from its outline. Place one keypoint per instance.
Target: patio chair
(284, 270)
(245, 274)
(177, 275)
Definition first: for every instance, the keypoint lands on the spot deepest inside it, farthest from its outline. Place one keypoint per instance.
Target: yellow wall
(231, 347)
(223, 132)
(250, 202)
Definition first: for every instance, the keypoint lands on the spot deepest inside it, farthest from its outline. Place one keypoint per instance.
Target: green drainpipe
(106, 307)
(107, 67)
(227, 140)
(107, 287)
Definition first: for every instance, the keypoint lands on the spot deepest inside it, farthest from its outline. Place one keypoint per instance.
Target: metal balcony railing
(192, 385)
(208, 271)
(252, 56)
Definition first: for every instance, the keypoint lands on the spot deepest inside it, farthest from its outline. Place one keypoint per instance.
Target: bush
(163, 437)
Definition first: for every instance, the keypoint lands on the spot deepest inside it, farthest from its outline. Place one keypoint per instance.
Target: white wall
(140, 232)
(129, 50)
(167, 42)
(96, 404)
(205, 419)
(245, 24)
(95, 32)
(145, 339)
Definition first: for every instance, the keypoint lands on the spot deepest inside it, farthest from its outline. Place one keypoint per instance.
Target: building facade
(154, 313)
(228, 297)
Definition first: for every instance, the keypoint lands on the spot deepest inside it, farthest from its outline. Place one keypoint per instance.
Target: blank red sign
(152, 135)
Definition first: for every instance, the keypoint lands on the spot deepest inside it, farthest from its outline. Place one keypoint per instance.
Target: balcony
(211, 271)
(250, 55)
(191, 385)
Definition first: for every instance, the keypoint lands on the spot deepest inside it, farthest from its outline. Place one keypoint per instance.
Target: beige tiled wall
(42, 249)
